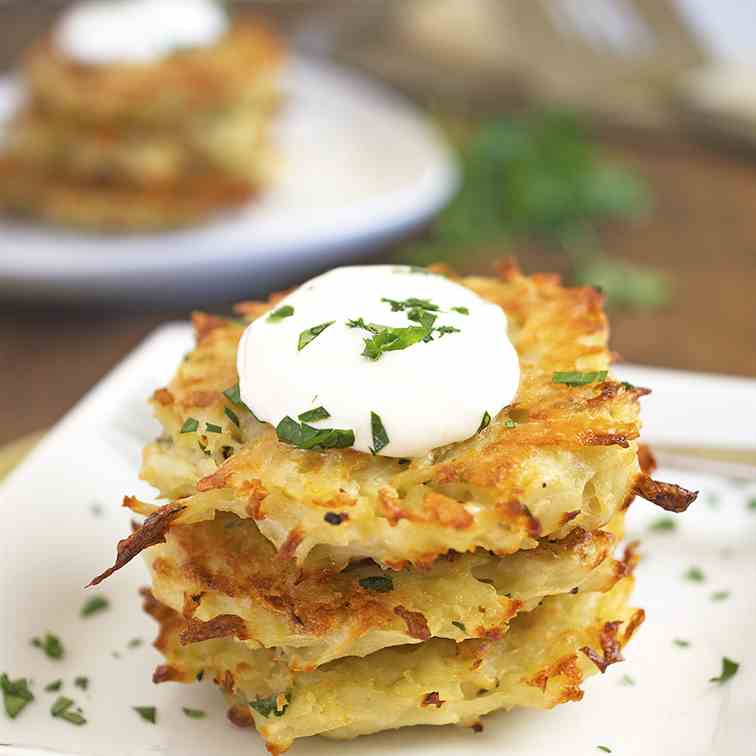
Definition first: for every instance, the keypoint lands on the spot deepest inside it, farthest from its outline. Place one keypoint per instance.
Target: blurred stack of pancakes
(339, 593)
(143, 145)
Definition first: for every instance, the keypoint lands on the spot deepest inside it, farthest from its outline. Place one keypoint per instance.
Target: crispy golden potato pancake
(539, 663)
(570, 461)
(223, 572)
(241, 69)
(232, 142)
(25, 191)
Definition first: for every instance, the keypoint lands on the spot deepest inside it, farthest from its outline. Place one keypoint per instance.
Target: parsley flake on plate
(729, 670)
(695, 575)
(194, 713)
(93, 605)
(50, 644)
(16, 694)
(663, 524)
(62, 709)
(147, 713)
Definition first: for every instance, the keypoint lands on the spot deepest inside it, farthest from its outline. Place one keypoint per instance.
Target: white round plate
(361, 167)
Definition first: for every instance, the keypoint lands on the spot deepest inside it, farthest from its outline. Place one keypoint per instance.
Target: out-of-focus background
(613, 141)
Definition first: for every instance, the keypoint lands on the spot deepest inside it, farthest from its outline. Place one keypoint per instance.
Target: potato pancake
(539, 663)
(560, 457)
(232, 142)
(242, 69)
(25, 191)
(226, 568)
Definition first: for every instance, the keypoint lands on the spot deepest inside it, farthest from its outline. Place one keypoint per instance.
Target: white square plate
(61, 520)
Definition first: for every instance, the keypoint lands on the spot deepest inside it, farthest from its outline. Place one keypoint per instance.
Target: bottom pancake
(539, 663)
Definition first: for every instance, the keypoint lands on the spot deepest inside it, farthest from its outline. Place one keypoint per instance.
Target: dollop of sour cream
(458, 368)
(101, 32)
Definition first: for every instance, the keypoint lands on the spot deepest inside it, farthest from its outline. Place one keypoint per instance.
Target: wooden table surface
(702, 233)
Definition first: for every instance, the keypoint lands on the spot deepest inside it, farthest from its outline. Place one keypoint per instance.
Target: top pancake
(570, 461)
(240, 69)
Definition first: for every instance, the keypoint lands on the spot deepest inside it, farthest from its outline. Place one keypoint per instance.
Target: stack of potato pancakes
(127, 146)
(338, 593)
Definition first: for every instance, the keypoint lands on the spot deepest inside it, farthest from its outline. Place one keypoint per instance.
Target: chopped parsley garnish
(213, 428)
(720, 595)
(509, 423)
(147, 713)
(190, 425)
(305, 436)
(276, 705)
(680, 643)
(570, 378)
(605, 749)
(61, 709)
(335, 518)
(16, 695)
(441, 330)
(380, 437)
(627, 680)
(135, 643)
(285, 311)
(94, 605)
(485, 422)
(311, 416)
(410, 304)
(232, 416)
(390, 339)
(752, 504)
(663, 524)
(377, 583)
(695, 575)
(194, 713)
(82, 682)
(729, 669)
(234, 396)
(460, 625)
(51, 645)
(311, 333)
(54, 686)
(461, 310)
